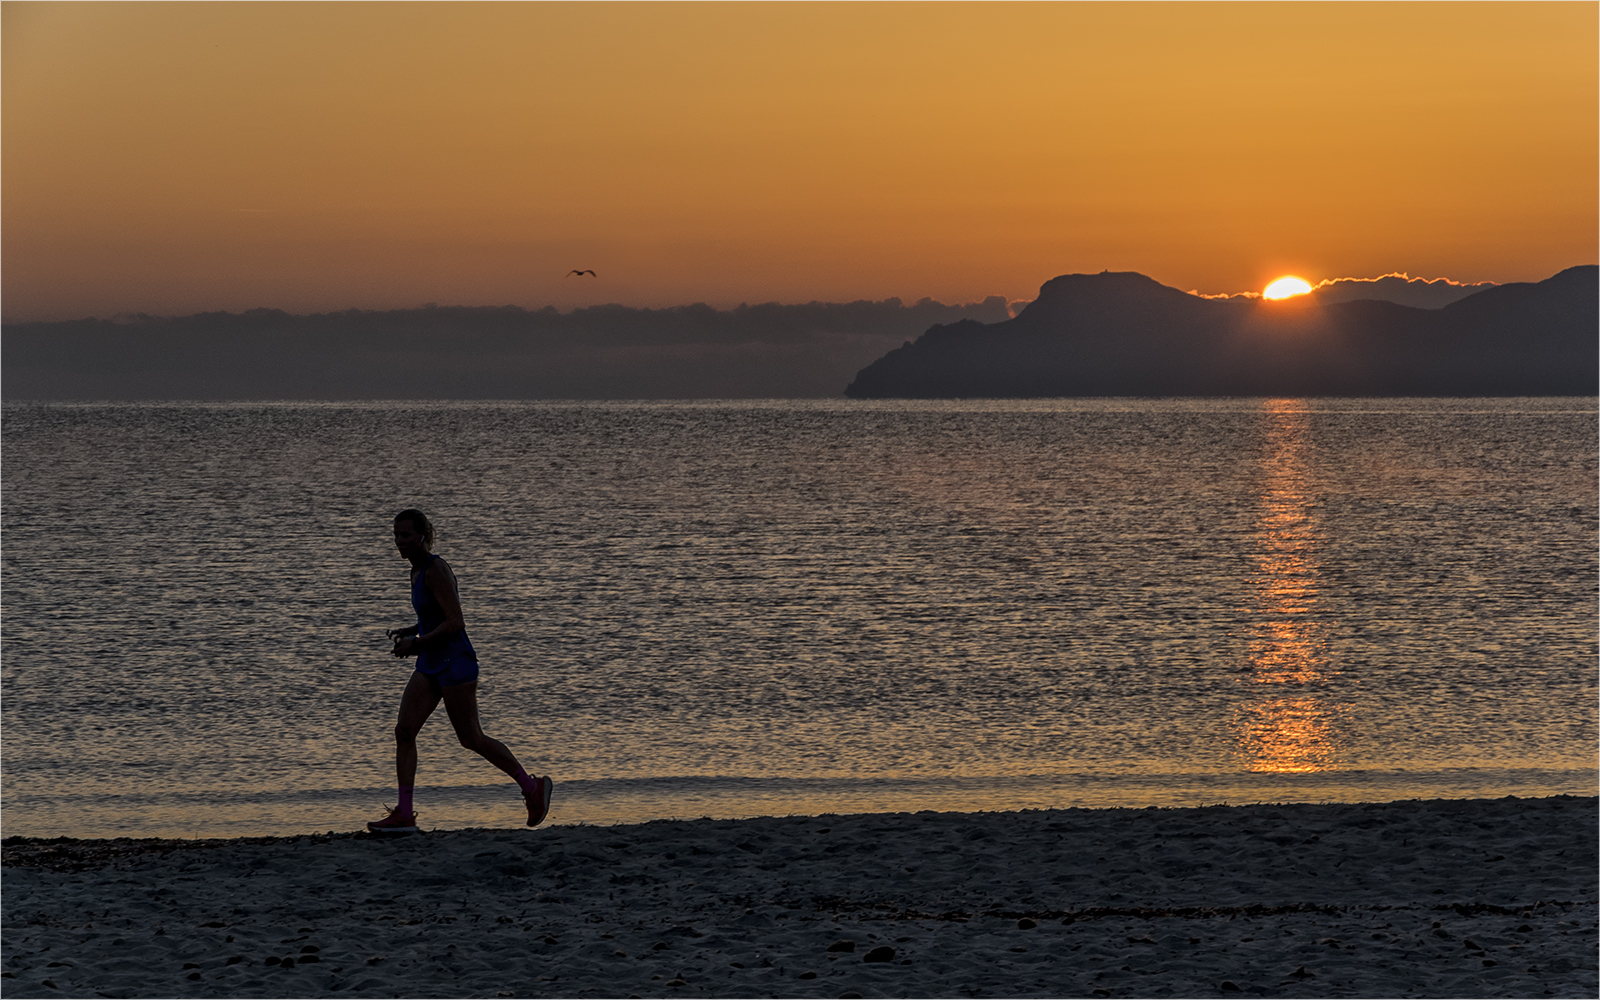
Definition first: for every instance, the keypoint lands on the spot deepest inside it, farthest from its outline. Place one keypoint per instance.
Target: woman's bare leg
(461, 702)
(416, 705)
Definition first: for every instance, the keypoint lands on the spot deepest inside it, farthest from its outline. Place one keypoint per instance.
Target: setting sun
(1285, 287)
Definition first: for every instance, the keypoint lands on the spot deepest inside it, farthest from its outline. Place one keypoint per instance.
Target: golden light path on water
(1281, 725)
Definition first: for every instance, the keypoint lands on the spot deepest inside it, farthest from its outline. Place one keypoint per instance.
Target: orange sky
(172, 158)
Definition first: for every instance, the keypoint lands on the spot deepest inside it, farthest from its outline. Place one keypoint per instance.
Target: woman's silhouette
(447, 670)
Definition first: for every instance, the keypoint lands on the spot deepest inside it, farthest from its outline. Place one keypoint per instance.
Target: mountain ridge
(1126, 334)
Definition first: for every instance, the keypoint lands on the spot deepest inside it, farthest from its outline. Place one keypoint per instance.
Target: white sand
(1442, 898)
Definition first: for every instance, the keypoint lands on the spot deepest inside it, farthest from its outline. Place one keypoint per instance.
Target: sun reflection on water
(1281, 724)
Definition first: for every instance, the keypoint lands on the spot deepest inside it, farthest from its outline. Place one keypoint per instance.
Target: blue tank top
(438, 653)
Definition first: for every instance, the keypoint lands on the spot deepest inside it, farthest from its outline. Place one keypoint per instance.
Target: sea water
(741, 608)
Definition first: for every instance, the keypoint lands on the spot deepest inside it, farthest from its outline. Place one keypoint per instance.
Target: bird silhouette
(582, 273)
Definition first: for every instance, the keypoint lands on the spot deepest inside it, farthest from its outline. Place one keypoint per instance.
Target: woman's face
(408, 539)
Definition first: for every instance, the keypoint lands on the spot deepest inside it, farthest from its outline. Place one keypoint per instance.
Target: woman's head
(418, 524)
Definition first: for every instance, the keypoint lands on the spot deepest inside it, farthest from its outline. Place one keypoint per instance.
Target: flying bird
(582, 273)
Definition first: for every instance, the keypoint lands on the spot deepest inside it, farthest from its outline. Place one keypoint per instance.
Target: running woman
(447, 669)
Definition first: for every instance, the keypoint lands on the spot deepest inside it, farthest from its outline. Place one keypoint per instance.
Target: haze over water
(740, 608)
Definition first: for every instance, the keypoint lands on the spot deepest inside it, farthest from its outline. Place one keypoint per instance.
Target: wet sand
(1441, 898)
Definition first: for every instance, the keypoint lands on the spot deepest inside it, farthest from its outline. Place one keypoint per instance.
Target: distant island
(806, 350)
(1123, 334)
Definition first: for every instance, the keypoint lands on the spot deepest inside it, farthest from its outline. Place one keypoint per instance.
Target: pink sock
(405, 799)
(528, 782)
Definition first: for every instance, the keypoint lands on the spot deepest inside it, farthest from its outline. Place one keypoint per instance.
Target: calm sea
(741, 608)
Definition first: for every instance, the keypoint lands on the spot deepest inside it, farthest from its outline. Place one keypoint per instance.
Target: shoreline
(222, 815)
(1416, 898)
(88, 852)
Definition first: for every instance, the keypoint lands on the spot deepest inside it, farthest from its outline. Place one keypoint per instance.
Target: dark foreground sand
(1439, 899)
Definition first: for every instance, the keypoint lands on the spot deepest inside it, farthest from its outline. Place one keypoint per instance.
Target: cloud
(1225, 295)
(1399, 287)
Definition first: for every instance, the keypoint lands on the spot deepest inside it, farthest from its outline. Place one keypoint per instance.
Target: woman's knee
(405, 734)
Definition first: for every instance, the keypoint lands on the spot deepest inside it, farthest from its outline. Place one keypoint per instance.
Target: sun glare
(1285, 287)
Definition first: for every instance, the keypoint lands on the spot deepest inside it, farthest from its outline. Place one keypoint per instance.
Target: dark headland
(1123, 334)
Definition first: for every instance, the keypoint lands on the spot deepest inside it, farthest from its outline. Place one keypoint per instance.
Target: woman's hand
(402, 636)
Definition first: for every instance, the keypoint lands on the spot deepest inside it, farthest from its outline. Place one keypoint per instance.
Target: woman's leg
(416, 705)
(461, 702)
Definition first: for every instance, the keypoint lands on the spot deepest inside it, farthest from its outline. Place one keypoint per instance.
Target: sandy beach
(1438, 898)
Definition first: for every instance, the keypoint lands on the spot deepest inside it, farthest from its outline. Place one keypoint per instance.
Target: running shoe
(395, 822)
(539, 801)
